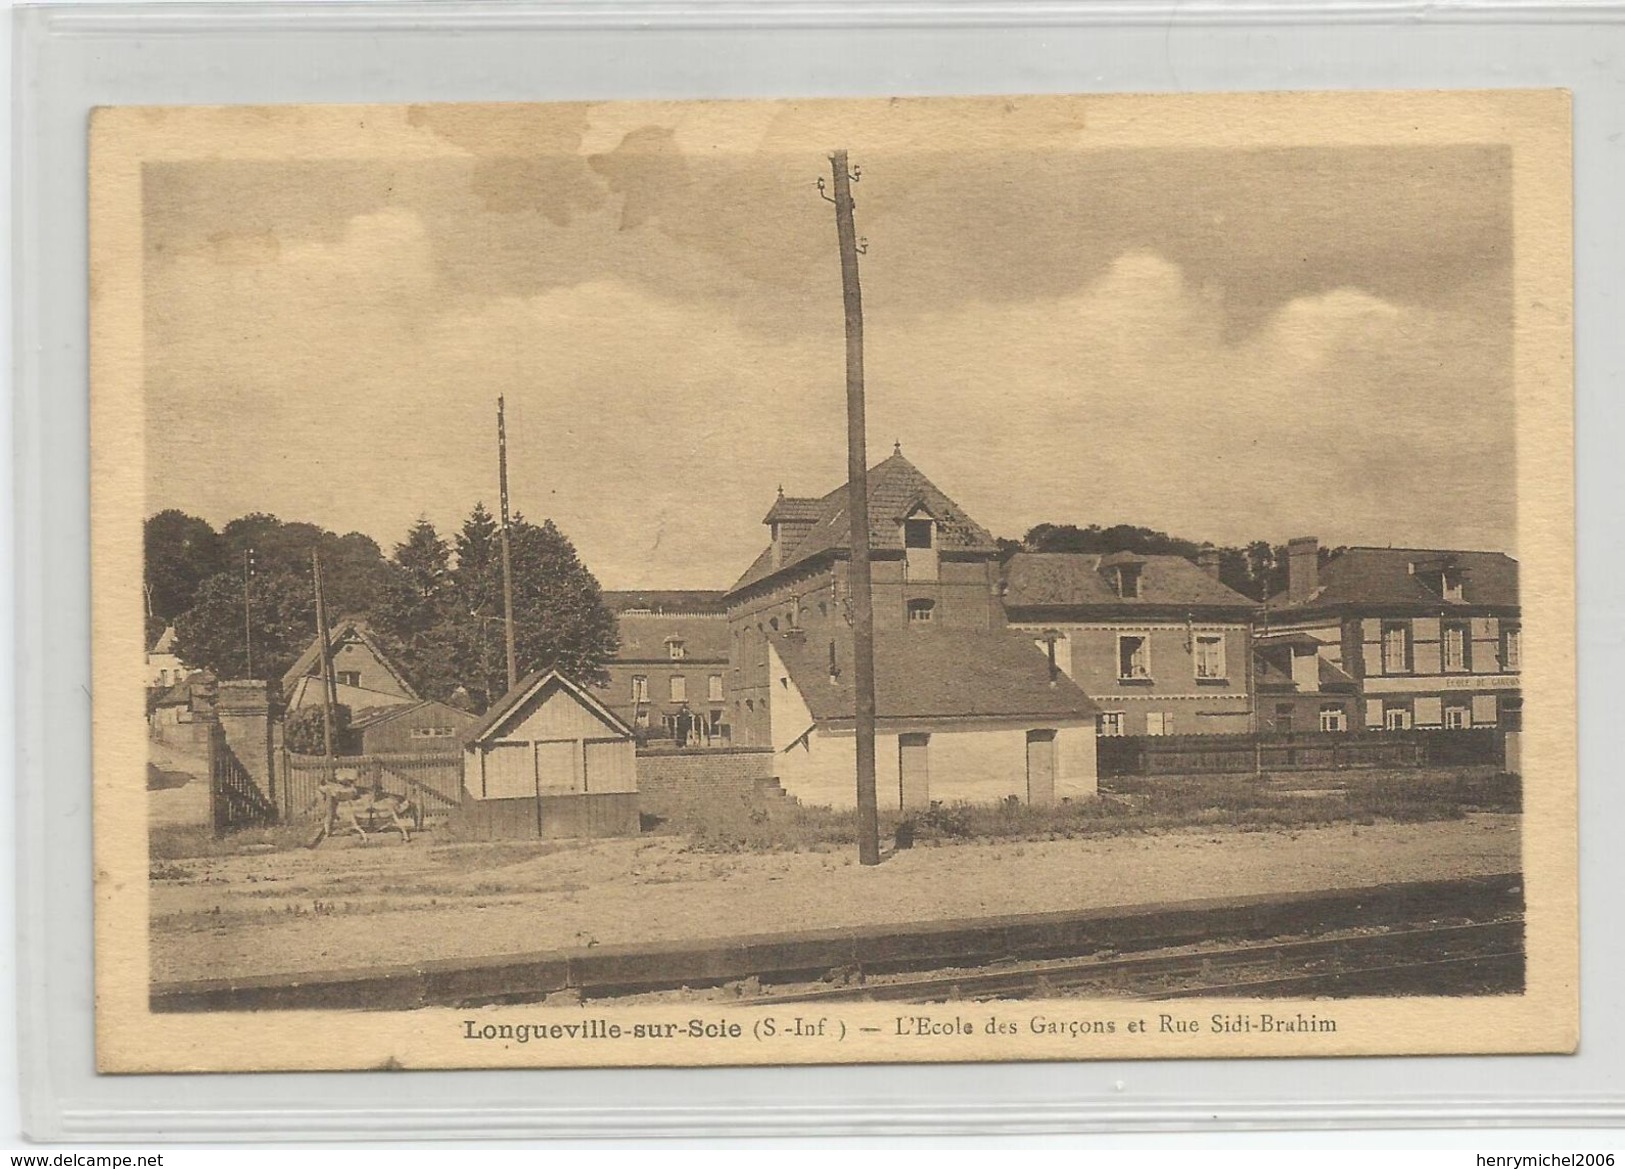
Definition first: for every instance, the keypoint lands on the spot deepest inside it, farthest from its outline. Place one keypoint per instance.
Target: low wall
(671, 781)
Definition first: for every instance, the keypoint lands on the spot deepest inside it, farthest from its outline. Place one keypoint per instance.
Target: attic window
(1440, 575)
(349, 678)
(1128, 581)
(919, 548)
(920, 611)
(675, 648)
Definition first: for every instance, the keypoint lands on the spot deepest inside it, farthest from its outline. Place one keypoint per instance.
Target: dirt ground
(351, 904)
(182, 796)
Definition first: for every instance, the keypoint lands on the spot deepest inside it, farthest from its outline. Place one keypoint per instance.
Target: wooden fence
(433, 780)
(1301, 751)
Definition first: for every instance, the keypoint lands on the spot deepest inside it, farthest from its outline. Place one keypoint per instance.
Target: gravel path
(349, 904)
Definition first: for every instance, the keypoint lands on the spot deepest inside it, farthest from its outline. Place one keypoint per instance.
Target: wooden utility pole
(857, 480)
(248, 614)
(507, 553)
(329, 690)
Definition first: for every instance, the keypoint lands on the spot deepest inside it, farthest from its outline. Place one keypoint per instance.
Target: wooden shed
(549, 760)
(420, 728)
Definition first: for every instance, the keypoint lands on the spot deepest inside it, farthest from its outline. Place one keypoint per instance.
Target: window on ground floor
(1396, 716)
(1110, 724)
(1333, 718)
(1159, 722)
(1458, 716)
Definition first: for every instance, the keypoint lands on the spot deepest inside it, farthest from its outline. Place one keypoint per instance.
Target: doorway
(913, 771)
(1041, 768)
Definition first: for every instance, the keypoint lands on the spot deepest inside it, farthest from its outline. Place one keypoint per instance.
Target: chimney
(1207, 559)
(1302, 569)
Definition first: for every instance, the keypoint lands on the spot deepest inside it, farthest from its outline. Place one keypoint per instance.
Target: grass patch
(1163, 803)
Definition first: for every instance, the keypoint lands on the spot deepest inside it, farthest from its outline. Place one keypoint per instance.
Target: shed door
(611, 765)
(1041, 768)
(509, 771)
(914, 787)
(556, 768)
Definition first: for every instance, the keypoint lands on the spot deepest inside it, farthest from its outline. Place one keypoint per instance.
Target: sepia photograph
(824, 581)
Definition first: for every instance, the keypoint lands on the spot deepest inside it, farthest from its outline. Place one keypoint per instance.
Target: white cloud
(330, 382)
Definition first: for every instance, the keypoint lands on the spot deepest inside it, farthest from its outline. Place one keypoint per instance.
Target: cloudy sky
(1229, 344)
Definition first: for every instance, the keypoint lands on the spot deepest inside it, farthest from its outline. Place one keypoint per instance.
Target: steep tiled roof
(166, 641)
(1060, 580)
(309, 662)
(1383, 576)
(896, 486)
(794, 509)
(665, 600)
(936, 674)
(644, 637)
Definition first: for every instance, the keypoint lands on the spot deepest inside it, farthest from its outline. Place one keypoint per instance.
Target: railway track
(1452, 936)
(1418, 959)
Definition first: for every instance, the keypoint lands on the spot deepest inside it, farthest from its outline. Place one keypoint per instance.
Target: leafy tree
(413, 610)
(282, 619)
(445, 626)
(561, 621)
(353, 566)
(182, 551)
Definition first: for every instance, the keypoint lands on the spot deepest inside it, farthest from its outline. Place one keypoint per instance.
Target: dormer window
(919, 546)
(675, 648)
(920, 611)
(1441, 576)
(1121, 571)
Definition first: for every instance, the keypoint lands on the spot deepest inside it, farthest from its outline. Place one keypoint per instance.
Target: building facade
(966, 709)
(164, 666)
(1392, 639)
(1157, 642)
(669, 678)
(362, 671)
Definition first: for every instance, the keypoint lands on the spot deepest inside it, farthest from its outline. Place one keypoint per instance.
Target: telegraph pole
(328, 688)
(248, 614)
(857, 478)
(507, 554)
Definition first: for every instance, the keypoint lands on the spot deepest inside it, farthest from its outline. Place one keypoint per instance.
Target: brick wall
(671, 782)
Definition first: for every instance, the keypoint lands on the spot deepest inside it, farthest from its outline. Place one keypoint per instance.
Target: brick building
(672, 662)
(1159, 644)
(965, 708)
(1391, 638)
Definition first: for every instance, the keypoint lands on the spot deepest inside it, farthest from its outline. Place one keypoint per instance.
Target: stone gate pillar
(244, 711)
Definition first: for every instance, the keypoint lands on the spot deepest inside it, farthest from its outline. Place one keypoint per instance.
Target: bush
(303, 734)
(1137, 804)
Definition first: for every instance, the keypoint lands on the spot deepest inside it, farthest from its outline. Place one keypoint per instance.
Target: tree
(210, 634)
(182, 551)
(353, 567)
(560, 618)
(413, 612)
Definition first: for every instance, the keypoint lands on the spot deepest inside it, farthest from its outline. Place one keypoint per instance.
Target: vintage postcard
(1013, 578)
